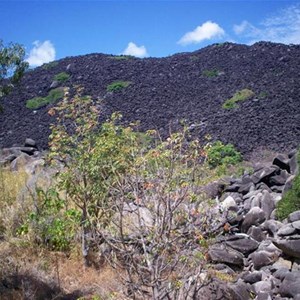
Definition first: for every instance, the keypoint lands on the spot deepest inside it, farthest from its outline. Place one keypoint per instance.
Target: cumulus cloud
(134, 50)
(42, 52)
(284, 27)
(206, 31)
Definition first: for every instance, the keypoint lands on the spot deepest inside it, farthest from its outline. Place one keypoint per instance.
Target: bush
(38, 102)
(117, 85)
(50, 65)
(291, 199)
(219, 154)
(61, 77)
(51, 223)
(122, 57)
(241, 95)
(132, 196)
(210, 73)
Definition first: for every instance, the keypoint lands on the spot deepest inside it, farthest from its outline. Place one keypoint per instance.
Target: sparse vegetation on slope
(61, 77)
(239, 96)
(38, 102)
(219, 154)
(122, 57)
(117, 85)
(50, 65)
(168, 89)
(210, 73)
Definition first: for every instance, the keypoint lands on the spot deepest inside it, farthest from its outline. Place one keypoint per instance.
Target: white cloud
(206, 31)
(134, 50)
(284, 27)
(41, 53)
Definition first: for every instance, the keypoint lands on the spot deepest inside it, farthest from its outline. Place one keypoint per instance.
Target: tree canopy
(12, 66)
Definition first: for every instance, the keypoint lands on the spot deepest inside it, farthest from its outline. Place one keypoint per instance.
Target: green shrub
(117, 85)
(291, 199)
(241, 95)
(122, 57)
(219, 154)
(52, 97)
(50, 65)
(210, 73)
(61, 77)
(51, 223)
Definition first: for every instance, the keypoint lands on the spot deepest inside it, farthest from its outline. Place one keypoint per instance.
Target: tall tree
(12, 66)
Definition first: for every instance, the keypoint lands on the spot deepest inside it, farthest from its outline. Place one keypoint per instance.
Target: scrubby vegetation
(50, 65)
(239, 96)
(38, 102)
(61, 77)
(210, 73)
(291, 199)
(126, 195)
(117, 85)
(122, 57)
(219, 154)
(12, 67)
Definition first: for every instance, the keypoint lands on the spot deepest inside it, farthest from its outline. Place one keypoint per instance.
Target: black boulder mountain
(163, 91)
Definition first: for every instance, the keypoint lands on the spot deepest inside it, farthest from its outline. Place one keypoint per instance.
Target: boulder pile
(164, 91)
(27, 156)
(263, 251)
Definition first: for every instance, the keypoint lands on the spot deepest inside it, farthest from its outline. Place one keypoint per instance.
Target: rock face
(264, 252)
(165, 90)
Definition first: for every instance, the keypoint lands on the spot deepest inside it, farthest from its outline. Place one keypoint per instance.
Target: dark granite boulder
(221, 254)
(255, 216)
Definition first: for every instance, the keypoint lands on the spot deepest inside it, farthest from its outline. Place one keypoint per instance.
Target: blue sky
(52, 30)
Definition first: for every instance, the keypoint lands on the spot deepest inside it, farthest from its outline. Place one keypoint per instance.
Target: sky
(51, 30)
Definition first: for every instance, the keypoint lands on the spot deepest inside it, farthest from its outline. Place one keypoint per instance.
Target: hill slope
(191, 86)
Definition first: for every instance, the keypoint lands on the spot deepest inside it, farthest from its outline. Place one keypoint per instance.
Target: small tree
(94, 158)
(12, 66)
(136, 199)
(152, 235)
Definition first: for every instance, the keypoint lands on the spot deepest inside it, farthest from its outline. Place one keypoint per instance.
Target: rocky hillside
(163, 91)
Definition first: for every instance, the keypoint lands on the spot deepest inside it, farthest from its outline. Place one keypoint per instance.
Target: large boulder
(263, 174)
(267, 204)
(290, 286)
(255, 216)
(221, 254)
(282, 161)
(242, 244)
(262, 258)
(289, 246)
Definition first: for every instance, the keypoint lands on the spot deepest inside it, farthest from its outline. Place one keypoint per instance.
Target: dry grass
(66, 273)
(11, 184)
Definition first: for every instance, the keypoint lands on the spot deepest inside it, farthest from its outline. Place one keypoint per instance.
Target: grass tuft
(50, 65)
(122, 57)
(61, 77)
(239, 96)
(117, 85)
(210, 73)
(53, 96)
